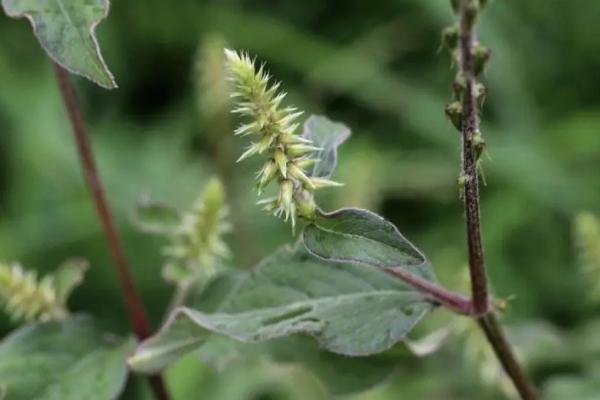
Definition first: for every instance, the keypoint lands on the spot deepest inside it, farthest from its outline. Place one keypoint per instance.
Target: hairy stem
(467, 41)
(470, 127)
(137, 313)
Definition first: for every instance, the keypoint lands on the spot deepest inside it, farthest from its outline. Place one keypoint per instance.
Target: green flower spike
(27, 298)
(273, 128)
(200, 240)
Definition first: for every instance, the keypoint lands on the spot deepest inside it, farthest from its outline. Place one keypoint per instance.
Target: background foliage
(377, 69)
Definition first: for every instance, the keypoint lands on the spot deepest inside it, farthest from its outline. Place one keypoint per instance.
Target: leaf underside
(353, 310)
(328, 136)
(67, 360)
(65, 29)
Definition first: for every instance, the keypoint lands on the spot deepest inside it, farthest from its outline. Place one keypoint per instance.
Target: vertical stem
(137, 313)
(470, 125)
(467, 40)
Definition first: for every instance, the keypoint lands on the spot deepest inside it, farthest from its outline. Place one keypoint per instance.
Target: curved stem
(137, 313)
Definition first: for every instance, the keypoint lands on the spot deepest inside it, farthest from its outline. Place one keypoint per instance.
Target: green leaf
(353, 235)
(67, 360)
(65, 29)
(572, 387)
(341, 375)
(349, 309)
(67, 277)
(328, 136)
(157, 218)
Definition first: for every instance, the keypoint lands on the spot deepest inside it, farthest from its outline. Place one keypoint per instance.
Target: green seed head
(273, 129)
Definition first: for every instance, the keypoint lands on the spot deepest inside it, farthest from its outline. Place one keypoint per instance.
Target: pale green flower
(199, 242)
(273, 130)
(28, 298)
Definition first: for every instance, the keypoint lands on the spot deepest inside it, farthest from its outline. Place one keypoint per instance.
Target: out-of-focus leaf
(65, 29)
(531, 341)
(353, 235)
(429, 344)
(259, 379)
(155, 217)
(328, 136)
(67, 277)
(585, 341)
(349, 309)
(341, 375)
(572, 387)
(68, 360)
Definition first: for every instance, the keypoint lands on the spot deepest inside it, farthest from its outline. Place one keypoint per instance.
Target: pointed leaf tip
(66, 31)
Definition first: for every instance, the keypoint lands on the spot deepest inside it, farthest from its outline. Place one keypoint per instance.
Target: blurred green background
(376, 67)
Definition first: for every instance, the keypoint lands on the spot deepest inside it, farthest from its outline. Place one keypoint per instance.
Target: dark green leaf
(349, 309)
(65, 29)
(359, 236)
(328, 136)
(67, 360)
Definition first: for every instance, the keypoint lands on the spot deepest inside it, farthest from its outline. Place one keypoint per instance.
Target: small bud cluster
(469, 11)
(274, 127)
(199, 243)
(27, 298)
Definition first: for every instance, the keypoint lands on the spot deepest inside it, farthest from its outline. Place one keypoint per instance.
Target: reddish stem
(451, 300)
(135, 307)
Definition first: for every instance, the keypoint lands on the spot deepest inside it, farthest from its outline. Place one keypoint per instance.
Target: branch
(137, 313)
